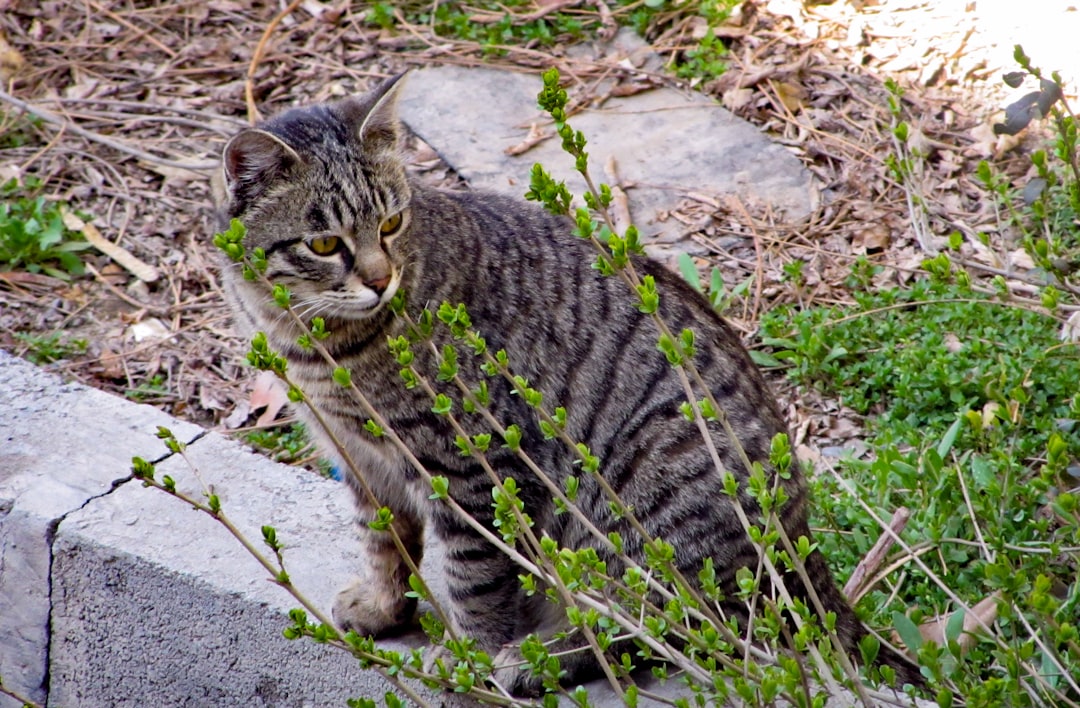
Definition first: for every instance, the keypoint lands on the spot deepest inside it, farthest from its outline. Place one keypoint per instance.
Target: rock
(665, 143)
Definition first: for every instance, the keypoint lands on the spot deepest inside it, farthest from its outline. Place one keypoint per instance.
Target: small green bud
(443, 404)
(512, 436)
(282, 296)
(440, 487)
(270, 538)
(141, 469)
(382, 521)
(342, 377)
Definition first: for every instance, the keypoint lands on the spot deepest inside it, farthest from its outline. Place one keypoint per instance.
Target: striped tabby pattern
(324, 192)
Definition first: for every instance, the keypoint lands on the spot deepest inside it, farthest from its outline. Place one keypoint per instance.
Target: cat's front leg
(375, 602)
(578, 663)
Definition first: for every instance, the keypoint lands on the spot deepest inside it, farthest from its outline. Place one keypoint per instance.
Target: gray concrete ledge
(112, 594)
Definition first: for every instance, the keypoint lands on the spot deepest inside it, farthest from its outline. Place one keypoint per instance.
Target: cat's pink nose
(378, 285)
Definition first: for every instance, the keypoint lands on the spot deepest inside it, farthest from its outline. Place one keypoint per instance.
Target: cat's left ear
(379, 126)
(255, 156)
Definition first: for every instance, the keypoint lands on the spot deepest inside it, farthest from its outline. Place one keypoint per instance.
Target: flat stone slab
(664, 143)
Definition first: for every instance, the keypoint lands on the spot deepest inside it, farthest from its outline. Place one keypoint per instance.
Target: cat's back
(531, 286)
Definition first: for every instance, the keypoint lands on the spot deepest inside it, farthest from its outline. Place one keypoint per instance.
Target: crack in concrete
(50, 537)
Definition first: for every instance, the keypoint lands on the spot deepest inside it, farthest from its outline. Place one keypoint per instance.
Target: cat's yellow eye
(325, 245)
(390, 225)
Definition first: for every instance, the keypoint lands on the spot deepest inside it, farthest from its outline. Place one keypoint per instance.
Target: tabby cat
(324, 191)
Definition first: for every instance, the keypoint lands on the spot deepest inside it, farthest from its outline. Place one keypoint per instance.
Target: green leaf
(907, 630)
(282, 296)
(512, 436)
(764, 359)
(141, 469)
(649, 298)
(382, 521)
(955, 626)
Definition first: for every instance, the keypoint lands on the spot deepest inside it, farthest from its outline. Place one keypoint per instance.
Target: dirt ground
(133, 100)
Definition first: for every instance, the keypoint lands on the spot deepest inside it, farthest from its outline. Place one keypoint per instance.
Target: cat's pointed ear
(256, 157)
(376, 113)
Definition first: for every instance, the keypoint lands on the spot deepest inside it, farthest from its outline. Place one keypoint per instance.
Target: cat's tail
(850, 630)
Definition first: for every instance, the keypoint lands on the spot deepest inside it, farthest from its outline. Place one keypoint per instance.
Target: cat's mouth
(359, 302)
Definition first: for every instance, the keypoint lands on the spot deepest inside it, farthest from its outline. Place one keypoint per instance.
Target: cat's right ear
(256, 157)
(375, 118)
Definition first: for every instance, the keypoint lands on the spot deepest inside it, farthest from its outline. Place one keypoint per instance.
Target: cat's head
(322, 190)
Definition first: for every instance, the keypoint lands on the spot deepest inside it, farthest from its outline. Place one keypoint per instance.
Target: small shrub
(33, 236)
(47, 348)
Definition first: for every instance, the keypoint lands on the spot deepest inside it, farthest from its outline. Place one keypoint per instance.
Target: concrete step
(112, 594)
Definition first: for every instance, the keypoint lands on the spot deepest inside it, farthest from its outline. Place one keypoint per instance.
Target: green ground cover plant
(17, 130)
(291, 444)
(973, 406)
(33, 237)
(47, 348)
(500, 25)
(972, 396)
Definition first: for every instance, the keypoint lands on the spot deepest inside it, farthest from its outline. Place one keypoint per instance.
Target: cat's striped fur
(333, 171)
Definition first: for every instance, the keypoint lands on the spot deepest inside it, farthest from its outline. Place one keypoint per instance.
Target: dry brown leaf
(238, 416)
(112, 361)
(984, 613)
(872, 239)
(983, 253)
(918, 143)
(984, 139)
(211, 398)
(536, 136)
(149, 329)
(143, 271)
(39, 280)
(790, 94)
(173, 174)
(267, 392)
(856, 586)
(737, 98)
(1021, 259)
(1070, 331)
(10, 60)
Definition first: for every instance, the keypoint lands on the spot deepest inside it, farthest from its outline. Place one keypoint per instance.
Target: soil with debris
(132, 102)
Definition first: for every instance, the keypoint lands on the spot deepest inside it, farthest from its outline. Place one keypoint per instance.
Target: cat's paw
(512, 673)
(365, 608)
(436, 653)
